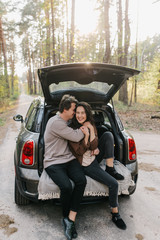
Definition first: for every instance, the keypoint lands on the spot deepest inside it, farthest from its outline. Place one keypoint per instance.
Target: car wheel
(19, 199)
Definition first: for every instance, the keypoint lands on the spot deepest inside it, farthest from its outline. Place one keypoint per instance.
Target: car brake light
(132, 149)
(27, 153)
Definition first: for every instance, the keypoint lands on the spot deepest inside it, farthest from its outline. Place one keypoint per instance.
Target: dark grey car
(95, 83)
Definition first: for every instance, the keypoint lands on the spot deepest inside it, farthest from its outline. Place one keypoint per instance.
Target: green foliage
(146, 52)
(35, 30)
(15, 91)
(87, 49)
(123, 108)
(2, 8)
(148, 90)
(2, 87)
(3, 90)
(1, 122)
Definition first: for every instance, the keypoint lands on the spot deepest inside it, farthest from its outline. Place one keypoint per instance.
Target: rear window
(103, 87)
(34, 120)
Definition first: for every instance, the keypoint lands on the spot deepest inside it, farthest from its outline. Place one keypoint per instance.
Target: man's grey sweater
(56, 138)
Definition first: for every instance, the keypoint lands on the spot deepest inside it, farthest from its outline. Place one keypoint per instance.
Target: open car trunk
(83, 74)
(82, 77)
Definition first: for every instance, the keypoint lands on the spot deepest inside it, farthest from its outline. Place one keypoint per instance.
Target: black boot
(116, 218)
(68, 228)
(114, 173)
(74, 232)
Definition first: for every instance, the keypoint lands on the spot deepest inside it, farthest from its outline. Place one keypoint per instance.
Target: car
(95, 83)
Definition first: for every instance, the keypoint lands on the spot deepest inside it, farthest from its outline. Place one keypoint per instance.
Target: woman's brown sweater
(79, 148)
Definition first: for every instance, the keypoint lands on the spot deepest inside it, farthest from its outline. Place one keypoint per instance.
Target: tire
(19, 199)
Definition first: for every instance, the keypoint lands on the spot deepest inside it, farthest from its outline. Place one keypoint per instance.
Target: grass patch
(2, 122)
(121, 107)
(7, 104)
(142, 129)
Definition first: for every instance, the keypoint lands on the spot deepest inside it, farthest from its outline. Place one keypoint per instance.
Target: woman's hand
(85, 130)
(95, 151)
(91, 130)
(88, 124)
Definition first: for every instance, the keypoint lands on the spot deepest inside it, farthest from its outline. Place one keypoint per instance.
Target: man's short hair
(66, 101)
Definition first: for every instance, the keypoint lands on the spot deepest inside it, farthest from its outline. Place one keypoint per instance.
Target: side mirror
(18, 118)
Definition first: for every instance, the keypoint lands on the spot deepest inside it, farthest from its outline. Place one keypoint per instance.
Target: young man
(61, 165)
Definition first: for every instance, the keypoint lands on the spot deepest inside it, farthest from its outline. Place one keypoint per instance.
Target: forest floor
(141, 120)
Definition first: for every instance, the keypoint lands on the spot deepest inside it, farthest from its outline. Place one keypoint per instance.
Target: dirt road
(141, 211)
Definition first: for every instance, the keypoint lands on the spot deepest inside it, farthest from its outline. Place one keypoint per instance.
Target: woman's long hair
(89, 116)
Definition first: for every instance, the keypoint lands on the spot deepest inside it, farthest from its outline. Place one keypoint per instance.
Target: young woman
(90, 152)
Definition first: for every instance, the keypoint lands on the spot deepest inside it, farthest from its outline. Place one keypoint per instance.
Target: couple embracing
(73, 150)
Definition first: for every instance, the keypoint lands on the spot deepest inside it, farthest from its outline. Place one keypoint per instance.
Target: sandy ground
(141, 211)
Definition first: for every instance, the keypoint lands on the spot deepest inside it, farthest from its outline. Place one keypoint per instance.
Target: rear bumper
(133, 168)
(27, 182)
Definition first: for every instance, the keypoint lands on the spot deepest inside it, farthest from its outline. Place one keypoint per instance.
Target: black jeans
(106, 148)
(97, 173)
(61, 174)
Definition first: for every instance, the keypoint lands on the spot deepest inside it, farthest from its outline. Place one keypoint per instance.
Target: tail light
(132, 149)
(28, 153)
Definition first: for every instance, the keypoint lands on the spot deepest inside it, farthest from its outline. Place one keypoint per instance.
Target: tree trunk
(136, 62)
(3, 46)
(53, 34)
(12, 72)
(120, 31)
(127, 34)
(33, 74)
(63, 57)
(59, 50)
(30, 81)
(72, 32)
(107, 53)
(123, 93)
(47, 33)
(11, 62)
(67, 31)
